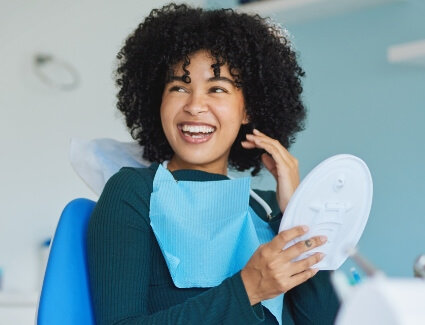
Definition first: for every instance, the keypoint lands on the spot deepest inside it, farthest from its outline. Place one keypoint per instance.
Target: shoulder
(125, 198)
(132, 179)
(130, 187)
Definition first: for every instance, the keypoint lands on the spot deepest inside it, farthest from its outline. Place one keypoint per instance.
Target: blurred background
(364, 88)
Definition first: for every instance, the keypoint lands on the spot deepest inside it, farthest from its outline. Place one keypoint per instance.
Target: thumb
(269, 163)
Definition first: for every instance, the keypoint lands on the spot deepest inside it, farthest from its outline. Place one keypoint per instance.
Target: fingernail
(305, 228)
(315, 270)
(323, 239)
(321, 256)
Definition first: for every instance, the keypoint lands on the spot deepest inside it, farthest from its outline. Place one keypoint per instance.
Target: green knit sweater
(130, 281)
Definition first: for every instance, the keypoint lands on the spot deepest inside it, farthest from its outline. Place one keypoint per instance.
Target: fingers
(284, 237)
(280, 155)
(303, 276)
(273, 270)
(272, 146)
(306, 263)
(305, 245)
(269, 163)
(279, 162)
(248, 145)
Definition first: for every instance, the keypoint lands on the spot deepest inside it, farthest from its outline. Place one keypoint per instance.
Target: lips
(196, 133)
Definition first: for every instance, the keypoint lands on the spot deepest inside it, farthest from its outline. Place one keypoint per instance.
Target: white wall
(36, 178)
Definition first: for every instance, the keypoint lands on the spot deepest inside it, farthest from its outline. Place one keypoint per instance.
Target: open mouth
(197, 131)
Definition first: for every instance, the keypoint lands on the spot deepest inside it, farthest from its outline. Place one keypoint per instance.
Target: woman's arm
(120, 257)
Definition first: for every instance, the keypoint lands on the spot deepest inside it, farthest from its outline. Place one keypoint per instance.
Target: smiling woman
(179, 242)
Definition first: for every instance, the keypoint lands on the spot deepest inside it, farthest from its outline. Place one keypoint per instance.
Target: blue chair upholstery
(65, 296)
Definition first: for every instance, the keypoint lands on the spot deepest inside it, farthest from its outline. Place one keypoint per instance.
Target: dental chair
(65, 296)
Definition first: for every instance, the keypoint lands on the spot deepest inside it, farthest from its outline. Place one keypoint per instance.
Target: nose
(196, 104)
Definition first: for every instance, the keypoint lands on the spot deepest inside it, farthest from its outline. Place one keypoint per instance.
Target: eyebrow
(212, 79)
(220, 78)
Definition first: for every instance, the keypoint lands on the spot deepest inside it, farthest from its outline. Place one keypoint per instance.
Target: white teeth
(197, 128)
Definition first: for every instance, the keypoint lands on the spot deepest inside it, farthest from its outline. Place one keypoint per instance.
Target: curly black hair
(259, 57)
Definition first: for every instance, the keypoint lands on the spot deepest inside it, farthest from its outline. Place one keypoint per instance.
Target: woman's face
(201, 119)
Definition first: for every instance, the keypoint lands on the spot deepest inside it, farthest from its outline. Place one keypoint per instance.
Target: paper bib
(206, 230)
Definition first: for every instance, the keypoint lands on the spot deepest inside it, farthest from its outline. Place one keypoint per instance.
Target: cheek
(165, 110)
(162, 116)
(165, 118)
(170, 106)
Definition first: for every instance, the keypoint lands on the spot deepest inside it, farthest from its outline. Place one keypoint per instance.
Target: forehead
(201, 59)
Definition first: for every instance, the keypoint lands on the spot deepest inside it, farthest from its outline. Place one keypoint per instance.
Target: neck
(214, 168)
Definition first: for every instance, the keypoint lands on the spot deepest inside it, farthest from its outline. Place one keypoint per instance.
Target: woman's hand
(281, 164)
(270, 271)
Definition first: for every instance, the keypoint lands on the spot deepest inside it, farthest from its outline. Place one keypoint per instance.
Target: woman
(178, 242)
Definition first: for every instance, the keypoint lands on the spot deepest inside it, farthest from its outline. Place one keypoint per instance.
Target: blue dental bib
(207, 231)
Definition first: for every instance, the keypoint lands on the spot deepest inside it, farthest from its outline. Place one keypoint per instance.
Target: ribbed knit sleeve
(120, 246)
(312, 302)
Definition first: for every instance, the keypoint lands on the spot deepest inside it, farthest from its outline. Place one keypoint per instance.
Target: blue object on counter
(356, 275)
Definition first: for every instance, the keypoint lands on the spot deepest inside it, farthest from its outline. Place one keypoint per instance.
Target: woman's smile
(196, 132)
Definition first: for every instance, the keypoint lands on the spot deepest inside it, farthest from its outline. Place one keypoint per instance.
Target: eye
(178, 89)
(218, 90)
